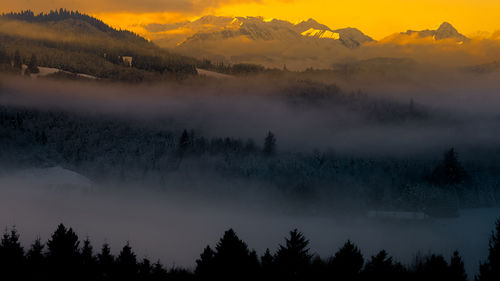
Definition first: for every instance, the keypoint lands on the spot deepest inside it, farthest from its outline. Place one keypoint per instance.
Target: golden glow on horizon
(136, 22)
(383, 17)
(375, 18)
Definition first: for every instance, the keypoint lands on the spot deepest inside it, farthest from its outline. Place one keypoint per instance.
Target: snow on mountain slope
(325, 34)
(310, 23)
(212, 28)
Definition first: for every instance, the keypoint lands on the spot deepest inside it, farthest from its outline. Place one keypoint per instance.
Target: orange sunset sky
(375, 18)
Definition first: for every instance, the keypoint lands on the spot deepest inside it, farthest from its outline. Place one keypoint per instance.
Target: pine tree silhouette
(435, 268)
(293, 259)
(233, 259)
(89, 261)
(205, 265)
(126, 264)
(347, 263)
(105, 263)
(490, 270)
(268, 268)
(63, 254)
(35, 261)
(457, 268)
(33, 65)
(11, 255)
(269, 144)
(184, 142)
(449, 171)
(158, 273)
(145, 269)
(382, 267)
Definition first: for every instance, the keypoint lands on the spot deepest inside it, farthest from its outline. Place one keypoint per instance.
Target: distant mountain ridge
(309, 43)
(445, 31)
(257, 28)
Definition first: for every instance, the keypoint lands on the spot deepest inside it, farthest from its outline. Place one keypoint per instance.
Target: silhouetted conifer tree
(35, 261)
(105, 263)
(434, 268)
(233, 260)
(158, 273)
(490, 270)
(89, 261)
(449, 171)
(347, 263)
(33, 65)
(145, 269)
(382, 267)
(11, 255)
(457, 268)
(270, 144)
(268, 268)
(205, 265)
(63, 254)
(184, 142)
(293, 259)
(126, 264)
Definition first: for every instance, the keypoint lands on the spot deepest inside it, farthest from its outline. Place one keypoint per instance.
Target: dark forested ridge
(66, 257)
(78, 43)
(62, 14)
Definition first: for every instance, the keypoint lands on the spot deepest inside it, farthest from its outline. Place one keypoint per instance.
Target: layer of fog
(175, 227)
(323, 54)
(464, 110)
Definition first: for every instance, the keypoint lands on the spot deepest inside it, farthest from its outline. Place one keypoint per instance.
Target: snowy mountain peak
(310, 23)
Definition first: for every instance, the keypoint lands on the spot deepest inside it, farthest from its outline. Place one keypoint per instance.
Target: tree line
(65, 257)
(104, 148)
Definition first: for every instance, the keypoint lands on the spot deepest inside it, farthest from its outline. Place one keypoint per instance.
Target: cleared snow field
(175, 228)
(44, 71)
(213, 74)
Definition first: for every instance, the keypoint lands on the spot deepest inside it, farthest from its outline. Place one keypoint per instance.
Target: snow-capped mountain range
(276, 42)
(211, 28)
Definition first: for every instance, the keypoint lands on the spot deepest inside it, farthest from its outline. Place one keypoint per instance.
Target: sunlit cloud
(131, 6)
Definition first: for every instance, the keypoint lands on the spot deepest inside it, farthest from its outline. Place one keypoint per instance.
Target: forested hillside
(78, 43)
(164, 152)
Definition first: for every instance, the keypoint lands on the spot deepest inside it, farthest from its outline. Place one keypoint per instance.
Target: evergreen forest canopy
(65, 256)
(78, 43)
(162, 150)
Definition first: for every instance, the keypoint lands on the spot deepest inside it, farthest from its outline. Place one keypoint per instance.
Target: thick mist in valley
(170, 166)
(175, 227)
